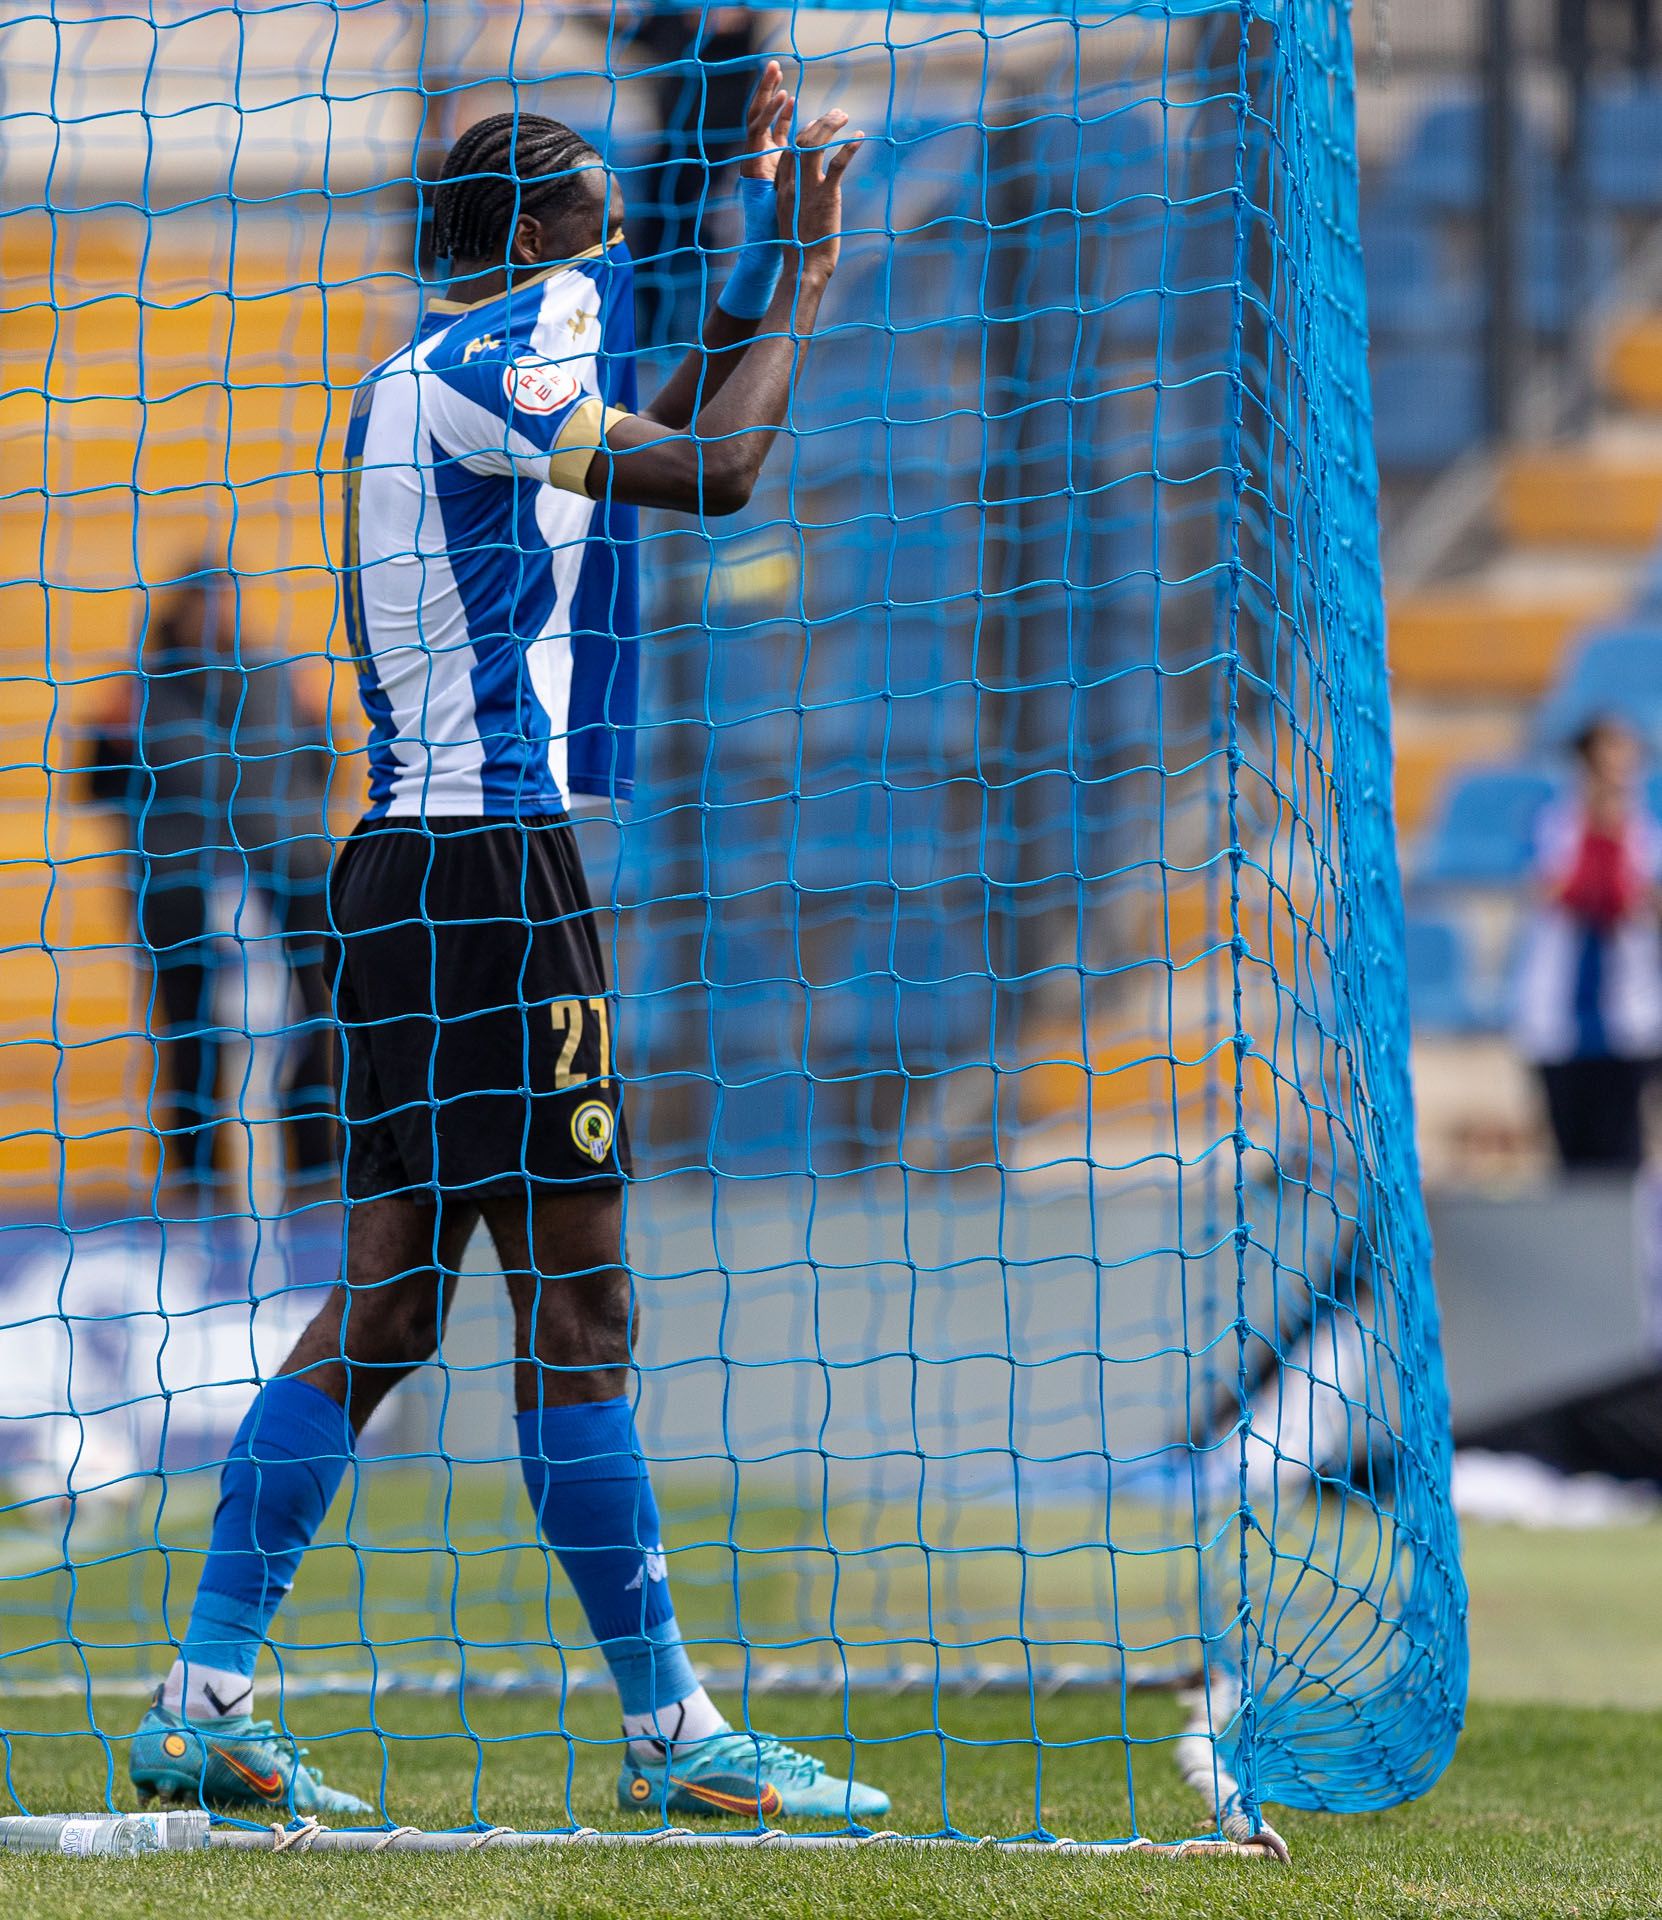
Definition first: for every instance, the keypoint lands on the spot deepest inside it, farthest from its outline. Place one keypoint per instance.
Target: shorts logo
(537, 386)
(592, 1127)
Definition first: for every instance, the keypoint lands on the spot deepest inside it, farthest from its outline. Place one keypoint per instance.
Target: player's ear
(525, 247)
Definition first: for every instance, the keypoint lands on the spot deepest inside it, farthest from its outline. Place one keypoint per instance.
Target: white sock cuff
(205, 1693)
(694, 1718)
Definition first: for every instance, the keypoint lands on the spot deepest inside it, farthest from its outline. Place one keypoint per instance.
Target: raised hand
(809, 186)
(766, 125)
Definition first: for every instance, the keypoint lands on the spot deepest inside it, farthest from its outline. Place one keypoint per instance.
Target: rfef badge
(538, 386)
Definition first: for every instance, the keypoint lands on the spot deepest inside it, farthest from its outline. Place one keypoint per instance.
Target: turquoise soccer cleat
(236, 1763)
(748, 1774)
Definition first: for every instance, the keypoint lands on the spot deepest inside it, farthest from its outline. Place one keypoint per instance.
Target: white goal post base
(101, 1835)
(1266, 1844)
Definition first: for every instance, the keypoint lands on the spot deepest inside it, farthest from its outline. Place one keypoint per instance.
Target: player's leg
(585, 1470)
(589, 1489)
(173, 921)
(199, 1740)
(294, 1444)
(294, 892)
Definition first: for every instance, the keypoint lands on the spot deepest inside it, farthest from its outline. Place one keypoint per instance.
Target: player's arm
(712, 468)
(739, 308)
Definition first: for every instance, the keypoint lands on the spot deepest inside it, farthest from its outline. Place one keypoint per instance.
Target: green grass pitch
(1553, 1805)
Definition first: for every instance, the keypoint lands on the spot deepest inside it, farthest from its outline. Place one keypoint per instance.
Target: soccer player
(494, 468)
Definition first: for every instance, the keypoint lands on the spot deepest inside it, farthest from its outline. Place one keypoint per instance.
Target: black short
(472, 1001)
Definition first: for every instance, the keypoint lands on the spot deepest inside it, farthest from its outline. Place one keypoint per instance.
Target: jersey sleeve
(504, 411)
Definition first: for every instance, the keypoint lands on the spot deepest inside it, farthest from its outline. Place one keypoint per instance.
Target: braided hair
(502, 167)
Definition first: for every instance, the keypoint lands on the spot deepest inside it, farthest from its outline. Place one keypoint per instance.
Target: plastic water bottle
(120, 1834)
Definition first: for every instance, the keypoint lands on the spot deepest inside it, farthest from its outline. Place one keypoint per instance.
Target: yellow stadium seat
(1633, 367)
(1577, 499)
(1474, 643)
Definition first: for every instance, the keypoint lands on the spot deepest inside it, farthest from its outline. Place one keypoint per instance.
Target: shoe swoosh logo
(769, 1801)
(269, 1786)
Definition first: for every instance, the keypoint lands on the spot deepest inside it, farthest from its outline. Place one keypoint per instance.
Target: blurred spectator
(704, 66)
(1589, 1013)
(1628, 25)
(218, 765)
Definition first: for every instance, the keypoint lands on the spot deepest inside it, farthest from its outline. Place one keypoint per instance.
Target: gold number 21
(567, 1016)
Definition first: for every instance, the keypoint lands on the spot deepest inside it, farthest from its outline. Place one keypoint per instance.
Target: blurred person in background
(704, 64)
(217, 764)
(1589, 1007)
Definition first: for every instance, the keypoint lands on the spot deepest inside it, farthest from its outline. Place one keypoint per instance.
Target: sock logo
(655, 1566)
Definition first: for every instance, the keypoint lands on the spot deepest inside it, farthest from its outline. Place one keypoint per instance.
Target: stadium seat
(912, 231)
(1632, 362)
(759, 1123)
(1580, 494)
(1441, 163)
(1441, 998)
(1427, 405)
(1615, 671)
(1419, 289)
(1483, 830)
(1159, 211)
(1624, 146)
(1553, 284)
(1414, 292)
(899, 987)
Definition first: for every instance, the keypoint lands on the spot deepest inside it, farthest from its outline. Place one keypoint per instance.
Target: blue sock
(281, 1473)
(593, 1501)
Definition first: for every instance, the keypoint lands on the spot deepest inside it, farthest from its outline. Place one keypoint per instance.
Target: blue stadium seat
(1548, 289)
(1484, 829)
(901, 986)
(1414, 291)
(1441, 998)
(1159, 227)
(1442, 162)
(1624, 146)
(1615, 671)
(913, 231)
(1418, 289)
(1427, 405)
(759, 1123)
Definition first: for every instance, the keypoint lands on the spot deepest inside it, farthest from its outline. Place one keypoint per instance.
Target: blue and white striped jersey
(493, 609)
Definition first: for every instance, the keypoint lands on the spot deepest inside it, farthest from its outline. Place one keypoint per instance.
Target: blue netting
(1007, 947)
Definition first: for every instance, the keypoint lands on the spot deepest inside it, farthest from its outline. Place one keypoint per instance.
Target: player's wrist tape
(755, 273)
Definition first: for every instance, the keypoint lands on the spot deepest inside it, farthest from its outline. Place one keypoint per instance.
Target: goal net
(1005, 928)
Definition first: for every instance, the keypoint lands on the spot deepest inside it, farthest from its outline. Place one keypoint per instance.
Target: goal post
(1004, 929)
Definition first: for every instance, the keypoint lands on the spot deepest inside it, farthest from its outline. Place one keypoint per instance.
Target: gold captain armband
(579, 441)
